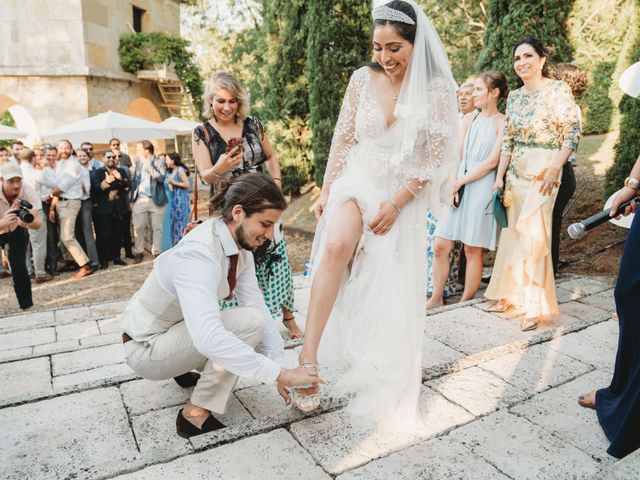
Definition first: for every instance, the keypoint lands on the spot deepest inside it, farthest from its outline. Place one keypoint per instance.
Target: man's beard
(242, 238)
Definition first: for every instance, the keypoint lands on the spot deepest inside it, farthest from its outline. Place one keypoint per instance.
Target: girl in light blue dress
(471, 221)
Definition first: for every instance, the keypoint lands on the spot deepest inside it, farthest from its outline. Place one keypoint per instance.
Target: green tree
(598, 29)
(337, 43)
(510, 20)
(461, 25)
(628, 145)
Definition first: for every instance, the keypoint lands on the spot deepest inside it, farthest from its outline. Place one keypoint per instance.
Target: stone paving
(499, 404)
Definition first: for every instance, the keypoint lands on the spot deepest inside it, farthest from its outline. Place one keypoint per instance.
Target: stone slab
(87, 359)
(582, 286)
(338, 442)
(27, 338)
(156, 436)
(437, 459)
(467, 330)
(84, 435)
(24, 380)
(97, 377)
(595, 345)
(603, 300)
(141, 396)
(77, 331)
(558, 412)
(625, 469)
(584, 312)
(100, 340)
(478, 391)
(536, 368)
(26, 321)
(108, 309)
(68, 315)
(271, 456)
(57, 347)
(524, 450)
(15, 354)
(110, 325)
(437, 353)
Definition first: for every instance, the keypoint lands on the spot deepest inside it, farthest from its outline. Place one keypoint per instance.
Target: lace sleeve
(344, 133)
(568, 113)
(507, 136)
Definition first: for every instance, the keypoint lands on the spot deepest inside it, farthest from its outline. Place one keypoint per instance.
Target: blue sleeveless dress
(472, 223)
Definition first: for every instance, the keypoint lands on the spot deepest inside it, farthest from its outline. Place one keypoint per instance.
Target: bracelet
(632, 183)
(415, 195)
(554, 168)
(394, 204)
(214, 173)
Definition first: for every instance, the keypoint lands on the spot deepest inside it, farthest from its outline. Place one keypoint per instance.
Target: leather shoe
(187, 380)
(186, 429)
(43, 278)
(104, 265)
(5, 274)
(137, 258)
(119, 261)
(83, 272)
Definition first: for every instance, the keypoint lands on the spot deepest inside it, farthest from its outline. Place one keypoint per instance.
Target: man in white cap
(19, 209)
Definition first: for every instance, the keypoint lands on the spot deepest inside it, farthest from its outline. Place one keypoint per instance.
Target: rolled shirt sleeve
(194, 274)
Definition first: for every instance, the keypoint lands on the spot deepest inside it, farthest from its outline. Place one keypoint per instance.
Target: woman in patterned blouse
(227, 106)
(541, 131)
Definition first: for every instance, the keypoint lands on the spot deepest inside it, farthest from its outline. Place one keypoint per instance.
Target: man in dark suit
(110, 196)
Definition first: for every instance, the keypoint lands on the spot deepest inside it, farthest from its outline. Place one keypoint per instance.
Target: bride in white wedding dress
(393, 151)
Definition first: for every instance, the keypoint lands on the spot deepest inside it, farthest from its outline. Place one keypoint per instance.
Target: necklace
(393, 94)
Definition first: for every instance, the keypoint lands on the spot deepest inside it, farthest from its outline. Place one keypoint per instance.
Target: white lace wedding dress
(374, 334)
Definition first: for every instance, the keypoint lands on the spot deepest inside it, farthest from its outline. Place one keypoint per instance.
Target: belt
(125, 337)
(65, 199)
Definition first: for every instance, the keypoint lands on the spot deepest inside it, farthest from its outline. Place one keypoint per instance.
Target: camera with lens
(22, 212)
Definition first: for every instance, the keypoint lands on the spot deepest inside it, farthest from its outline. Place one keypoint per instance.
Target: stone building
(59, 61)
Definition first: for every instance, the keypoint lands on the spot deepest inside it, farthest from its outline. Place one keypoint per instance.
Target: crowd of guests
(525, 155)
(83, 209)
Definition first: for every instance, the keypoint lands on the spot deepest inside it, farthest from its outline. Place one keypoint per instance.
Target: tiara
(387, 13)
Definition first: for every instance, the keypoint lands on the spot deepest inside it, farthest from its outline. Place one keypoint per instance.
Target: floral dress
(180, 208)
(538, 125)
(273, 269)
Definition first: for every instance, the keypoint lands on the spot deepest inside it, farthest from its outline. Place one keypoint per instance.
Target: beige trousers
(172, 353)
(143, 208)
(68, 212)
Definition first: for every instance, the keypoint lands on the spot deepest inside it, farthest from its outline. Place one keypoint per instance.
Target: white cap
(10, 170)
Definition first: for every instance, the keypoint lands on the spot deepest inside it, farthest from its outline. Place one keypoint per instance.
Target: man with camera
(19, 210)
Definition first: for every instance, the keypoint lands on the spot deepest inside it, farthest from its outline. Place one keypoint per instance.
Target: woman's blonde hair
(224, 80)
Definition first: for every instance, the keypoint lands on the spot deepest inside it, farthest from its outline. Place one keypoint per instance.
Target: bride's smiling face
(391, 51)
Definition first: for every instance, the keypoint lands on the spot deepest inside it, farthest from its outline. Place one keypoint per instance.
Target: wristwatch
(633, 183)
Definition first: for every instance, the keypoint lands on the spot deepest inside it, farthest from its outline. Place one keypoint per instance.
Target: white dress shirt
(192, 273)
(69, 178)
(32, 177)
(85, 170)
(47, 182)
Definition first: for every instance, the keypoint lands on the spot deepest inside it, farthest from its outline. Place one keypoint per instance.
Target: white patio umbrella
(9, 133)
(179, 125)
(630, 80)
(103, 127)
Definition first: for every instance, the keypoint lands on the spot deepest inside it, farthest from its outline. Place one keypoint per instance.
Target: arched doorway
(21, 117)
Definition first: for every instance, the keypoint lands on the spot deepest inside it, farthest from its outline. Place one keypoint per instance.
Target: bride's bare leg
(342, 240)
(441, 264)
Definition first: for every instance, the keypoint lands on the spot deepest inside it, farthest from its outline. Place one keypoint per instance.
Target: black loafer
(187, 380)
(186, 429)
(119, 261)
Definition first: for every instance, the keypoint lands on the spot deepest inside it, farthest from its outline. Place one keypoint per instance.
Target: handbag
(499, 210)
(460, 192)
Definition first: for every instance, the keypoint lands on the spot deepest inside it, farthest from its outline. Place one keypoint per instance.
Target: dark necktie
(231, 276)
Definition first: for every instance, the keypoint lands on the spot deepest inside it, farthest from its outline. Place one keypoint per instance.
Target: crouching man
(173, 324)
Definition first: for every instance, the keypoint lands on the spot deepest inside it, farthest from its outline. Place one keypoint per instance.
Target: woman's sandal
(500, 307)
(529, 324)
(587, 400)
(296, 335)
(305, 403)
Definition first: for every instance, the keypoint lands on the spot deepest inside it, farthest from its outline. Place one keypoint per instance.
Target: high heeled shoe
(305, 402)
(529, 324)
(500, 307)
